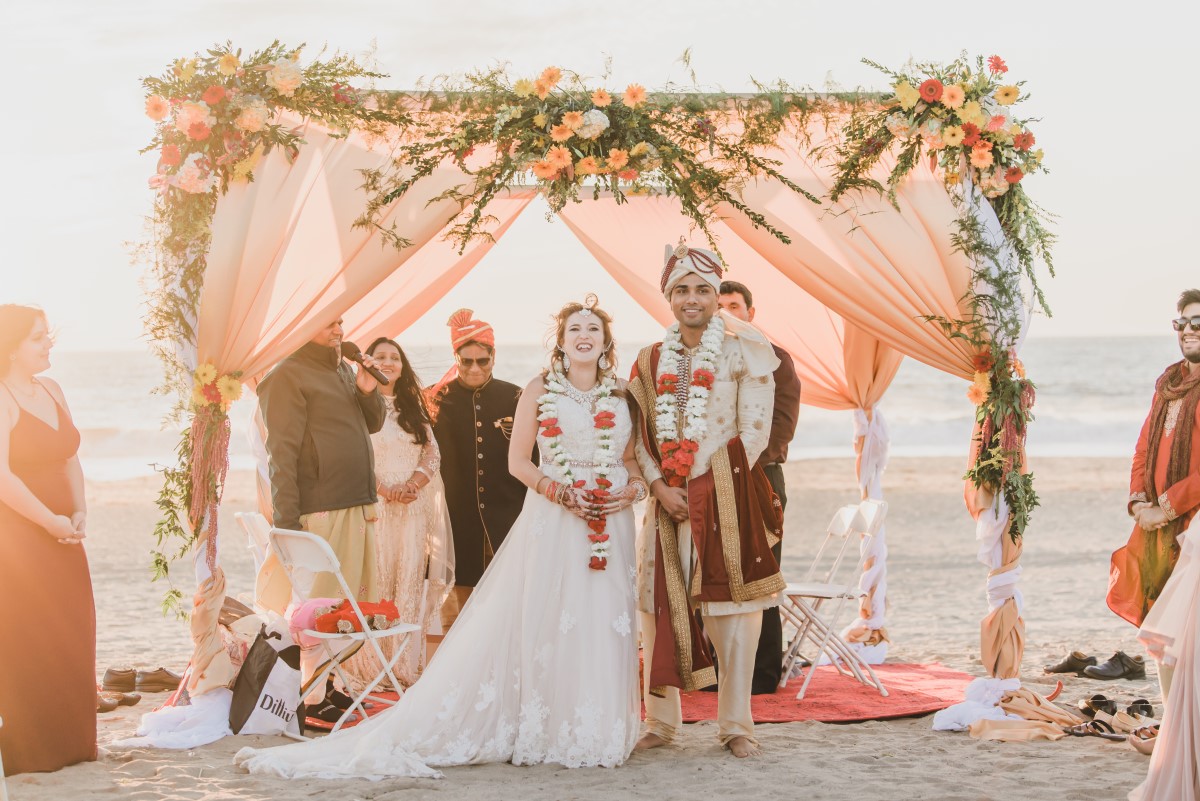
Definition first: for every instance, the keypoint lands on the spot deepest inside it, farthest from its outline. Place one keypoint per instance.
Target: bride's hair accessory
(681, 260)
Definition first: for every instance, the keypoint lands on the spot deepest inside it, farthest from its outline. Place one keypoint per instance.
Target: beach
(935, 604)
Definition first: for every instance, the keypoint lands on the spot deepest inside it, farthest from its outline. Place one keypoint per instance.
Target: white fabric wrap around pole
(873, 432)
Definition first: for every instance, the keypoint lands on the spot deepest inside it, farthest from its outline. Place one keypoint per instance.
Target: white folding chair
(806, 604)
(3, 784)
(303, 556)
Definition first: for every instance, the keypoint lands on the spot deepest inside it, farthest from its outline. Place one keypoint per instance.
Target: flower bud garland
(679, 452)
(604, 457)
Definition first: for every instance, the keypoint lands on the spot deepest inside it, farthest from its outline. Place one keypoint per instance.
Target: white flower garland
(604, 457)
(667, 403)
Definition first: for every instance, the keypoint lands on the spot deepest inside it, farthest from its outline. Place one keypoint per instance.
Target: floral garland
(678, 452)
(573, 139)
(604, 457)
(962, 116)
(216, 115)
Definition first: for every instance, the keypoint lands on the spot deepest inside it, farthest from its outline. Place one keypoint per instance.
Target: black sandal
(1095, 728)
(1140, 708)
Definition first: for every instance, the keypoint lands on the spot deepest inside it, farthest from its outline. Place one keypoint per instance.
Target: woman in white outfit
(542, 663)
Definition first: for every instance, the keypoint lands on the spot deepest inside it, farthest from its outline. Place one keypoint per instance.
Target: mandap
(883, 225)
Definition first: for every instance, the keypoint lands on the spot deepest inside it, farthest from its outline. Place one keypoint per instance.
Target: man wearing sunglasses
(472, 416)
(1164, 492)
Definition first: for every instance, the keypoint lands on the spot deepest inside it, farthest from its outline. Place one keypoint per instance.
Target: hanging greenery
(962, 118)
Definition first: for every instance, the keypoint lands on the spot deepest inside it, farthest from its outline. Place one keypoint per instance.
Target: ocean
(1093, 395)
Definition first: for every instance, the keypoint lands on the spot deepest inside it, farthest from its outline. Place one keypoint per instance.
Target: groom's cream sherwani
(738, 423)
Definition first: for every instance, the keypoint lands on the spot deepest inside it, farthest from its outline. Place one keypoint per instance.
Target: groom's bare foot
(742, 747)
(648, 741)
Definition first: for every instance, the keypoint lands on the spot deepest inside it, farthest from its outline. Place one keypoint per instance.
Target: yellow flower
(561, 133)
(230, 389)
(952, 135)
(972, 112)
(242, 170)
(198, 399)
(953, 179)
(907, 95)
(573, 119)
(640, 149)
(539, 120)
(205, 374)
(185, 68)
(982, 379)
(1006, 95)
(1037, 156)
(228, 64)
(601, 98)
(523, 88)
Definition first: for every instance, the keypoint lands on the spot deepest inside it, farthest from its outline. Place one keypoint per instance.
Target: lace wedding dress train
(541, 665)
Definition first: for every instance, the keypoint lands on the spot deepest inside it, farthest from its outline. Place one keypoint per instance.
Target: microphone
(351, 351)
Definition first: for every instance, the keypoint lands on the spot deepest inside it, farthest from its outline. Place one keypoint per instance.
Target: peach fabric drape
(839, 364)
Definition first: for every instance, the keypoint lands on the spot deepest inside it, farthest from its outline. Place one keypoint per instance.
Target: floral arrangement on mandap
(574, 139)
(962, 118)
(215, 116)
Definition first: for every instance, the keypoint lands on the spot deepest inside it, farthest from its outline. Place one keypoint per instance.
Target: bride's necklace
(604, 412)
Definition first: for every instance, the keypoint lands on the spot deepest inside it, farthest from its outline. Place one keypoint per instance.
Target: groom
(705, 394)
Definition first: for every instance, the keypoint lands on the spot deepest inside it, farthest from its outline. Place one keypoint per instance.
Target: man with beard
(1164, 491)
(705, 394)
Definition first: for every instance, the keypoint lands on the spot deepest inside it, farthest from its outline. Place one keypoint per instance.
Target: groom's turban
(681, 260)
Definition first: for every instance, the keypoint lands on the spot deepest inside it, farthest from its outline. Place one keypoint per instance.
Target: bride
(541, 665)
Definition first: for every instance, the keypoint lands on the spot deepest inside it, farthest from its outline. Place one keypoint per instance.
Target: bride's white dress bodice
(579, 435)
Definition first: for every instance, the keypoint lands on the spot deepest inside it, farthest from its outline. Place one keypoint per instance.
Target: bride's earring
(566, 361)
(602, 362)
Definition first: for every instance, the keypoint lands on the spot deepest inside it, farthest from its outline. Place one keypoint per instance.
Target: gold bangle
(538, 487)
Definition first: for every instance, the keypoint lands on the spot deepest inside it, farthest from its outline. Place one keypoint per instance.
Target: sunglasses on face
(1184, 322)
(482, 361)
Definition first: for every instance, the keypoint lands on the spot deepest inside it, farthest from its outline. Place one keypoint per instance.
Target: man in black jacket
(319, 418)
(473, 418)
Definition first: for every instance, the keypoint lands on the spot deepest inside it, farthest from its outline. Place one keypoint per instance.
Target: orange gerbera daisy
(635, 95)
(588, 166)
(561, 133)
(976, 394)
(541, 88)
(573, 119)
(551, 75)
(560, 157)
(601, 98)
(545, 170)
(617, 159)
(157, 108)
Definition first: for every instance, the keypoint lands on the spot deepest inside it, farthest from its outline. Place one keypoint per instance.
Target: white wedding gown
(541, 666)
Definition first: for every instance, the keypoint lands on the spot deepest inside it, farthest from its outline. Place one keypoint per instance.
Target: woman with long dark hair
(47, 616)
(413, 549)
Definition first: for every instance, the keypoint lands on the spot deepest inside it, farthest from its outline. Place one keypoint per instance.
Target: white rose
(285, 76)
(253, 118)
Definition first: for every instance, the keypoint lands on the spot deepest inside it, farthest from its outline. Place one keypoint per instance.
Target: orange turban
(464, 329)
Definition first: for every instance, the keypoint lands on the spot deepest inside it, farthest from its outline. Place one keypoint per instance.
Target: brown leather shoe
(1075, 662)
(105, 703)
(118, 680)
(157, 681)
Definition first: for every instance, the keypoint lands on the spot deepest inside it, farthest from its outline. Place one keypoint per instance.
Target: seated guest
(47, 616)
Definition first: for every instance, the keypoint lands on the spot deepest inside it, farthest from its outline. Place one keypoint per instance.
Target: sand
(936, 603)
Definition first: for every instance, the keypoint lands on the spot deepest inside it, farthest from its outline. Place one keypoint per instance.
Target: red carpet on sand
(913, 689)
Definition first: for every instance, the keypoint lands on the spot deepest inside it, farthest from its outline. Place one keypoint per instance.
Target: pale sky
(1112, 83)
